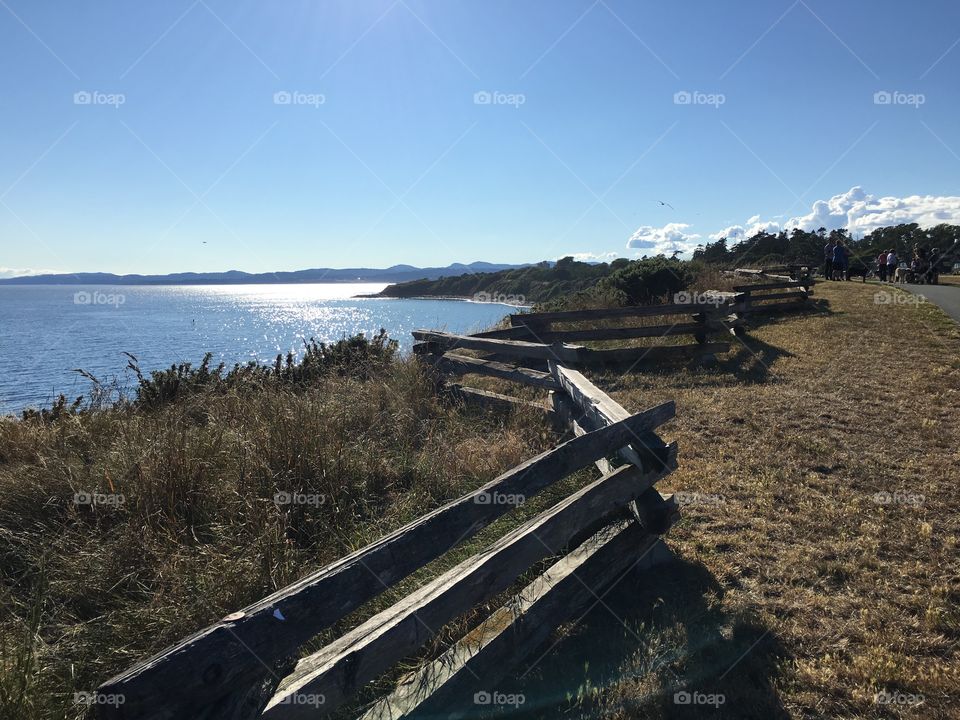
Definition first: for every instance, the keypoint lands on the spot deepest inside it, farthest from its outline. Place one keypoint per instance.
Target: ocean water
(47, 331)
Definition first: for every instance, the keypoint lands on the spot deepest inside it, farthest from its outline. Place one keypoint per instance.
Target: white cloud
(665, 240)
(837, 212)
(859, 212)
(736, 233)
(863, 213)
(6, 272)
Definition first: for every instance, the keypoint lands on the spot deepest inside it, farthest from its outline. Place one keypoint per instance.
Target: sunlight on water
(48, 331)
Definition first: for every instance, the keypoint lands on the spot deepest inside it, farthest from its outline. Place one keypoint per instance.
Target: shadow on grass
(752, 359)
(659, 645)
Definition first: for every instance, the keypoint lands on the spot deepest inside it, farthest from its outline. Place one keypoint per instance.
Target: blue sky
(212, 135)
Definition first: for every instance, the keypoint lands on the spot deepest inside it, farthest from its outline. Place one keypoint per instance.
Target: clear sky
(212, 135)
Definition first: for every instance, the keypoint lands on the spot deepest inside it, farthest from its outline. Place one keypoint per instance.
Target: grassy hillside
(818, 557)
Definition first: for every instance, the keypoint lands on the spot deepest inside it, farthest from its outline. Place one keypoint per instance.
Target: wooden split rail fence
(781, 295)
(246, 665)
(534, 339)
(522, 351)
(249, 665)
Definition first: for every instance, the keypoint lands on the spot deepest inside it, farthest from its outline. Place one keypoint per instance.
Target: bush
(55, 412)
(164, 386)
(648, 281)
(355, 357)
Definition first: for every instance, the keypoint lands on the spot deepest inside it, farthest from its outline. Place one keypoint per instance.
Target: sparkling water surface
(47, 331)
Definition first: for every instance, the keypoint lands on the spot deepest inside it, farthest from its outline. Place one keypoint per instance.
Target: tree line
(804, 247)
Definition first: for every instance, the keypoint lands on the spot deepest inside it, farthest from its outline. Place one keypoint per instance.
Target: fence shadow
(657, 645)
(751, 359)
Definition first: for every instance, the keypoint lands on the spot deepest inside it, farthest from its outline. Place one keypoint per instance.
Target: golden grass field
(817, 562)
(800, 591)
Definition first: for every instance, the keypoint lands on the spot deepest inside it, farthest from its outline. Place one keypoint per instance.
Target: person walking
(892, 260)
(882, 266)
(828, 260)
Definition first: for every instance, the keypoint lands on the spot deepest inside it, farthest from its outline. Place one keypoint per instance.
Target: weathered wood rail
(534, 339)
(709, 315)
(522, 352)
(763, 298)
(240, 667)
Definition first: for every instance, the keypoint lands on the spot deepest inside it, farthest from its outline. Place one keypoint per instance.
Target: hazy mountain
(395, 273)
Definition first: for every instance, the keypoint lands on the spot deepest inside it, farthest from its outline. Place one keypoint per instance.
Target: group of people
(921, 268)
(887, 265)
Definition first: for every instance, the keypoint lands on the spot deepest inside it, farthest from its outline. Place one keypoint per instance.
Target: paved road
(946, 296)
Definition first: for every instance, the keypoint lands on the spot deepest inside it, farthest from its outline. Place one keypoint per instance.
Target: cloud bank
(859, 212)
(737, 233)
(856, 210)
(6, 272)
(665, 240)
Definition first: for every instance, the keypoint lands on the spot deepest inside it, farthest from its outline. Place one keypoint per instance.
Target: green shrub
(55, 412)
(647, 281)
(355, 357)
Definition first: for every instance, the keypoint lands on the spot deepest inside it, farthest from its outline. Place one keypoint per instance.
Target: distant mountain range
(393, 274)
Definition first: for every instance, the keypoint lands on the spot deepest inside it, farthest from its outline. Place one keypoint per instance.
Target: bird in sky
(666, 204)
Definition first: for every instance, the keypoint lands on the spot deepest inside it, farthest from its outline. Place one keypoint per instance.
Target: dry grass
(88, 590)
(797, 594)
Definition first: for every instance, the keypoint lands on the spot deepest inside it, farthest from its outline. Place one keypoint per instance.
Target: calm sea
(46, 332)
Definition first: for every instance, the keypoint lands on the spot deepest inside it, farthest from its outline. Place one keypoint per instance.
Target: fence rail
(763, 298)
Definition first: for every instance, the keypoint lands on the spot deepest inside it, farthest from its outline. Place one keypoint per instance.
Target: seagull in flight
(666, 204)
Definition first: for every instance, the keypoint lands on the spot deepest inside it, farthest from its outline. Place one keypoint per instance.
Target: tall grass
(126, 528)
